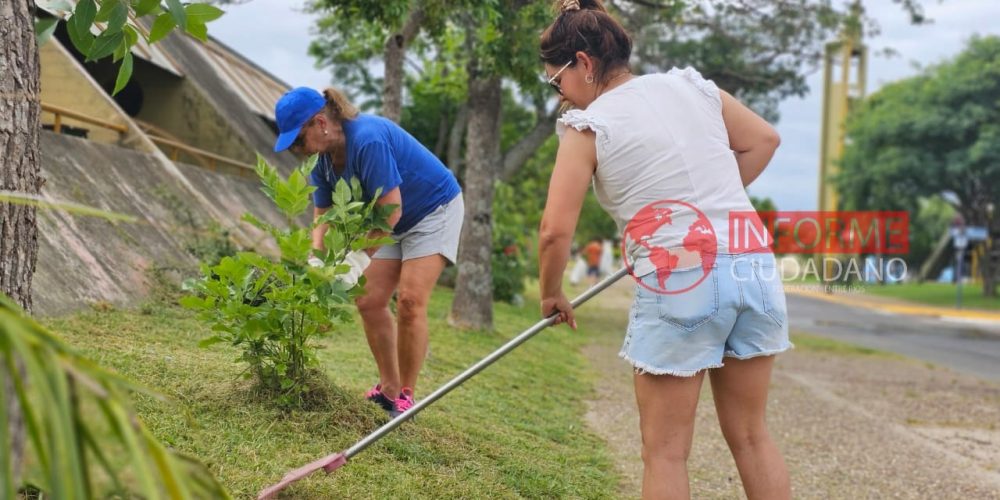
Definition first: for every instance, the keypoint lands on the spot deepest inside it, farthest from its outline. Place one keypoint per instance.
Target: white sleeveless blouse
(661, 138)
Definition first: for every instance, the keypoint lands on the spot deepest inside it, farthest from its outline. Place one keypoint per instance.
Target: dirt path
(851, 425)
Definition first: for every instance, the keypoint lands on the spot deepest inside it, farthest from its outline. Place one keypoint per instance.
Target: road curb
(862, 300)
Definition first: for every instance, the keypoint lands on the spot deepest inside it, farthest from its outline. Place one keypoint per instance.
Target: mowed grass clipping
(516, 430)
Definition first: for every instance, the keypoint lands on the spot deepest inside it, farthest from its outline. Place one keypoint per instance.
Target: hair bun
(570, 5)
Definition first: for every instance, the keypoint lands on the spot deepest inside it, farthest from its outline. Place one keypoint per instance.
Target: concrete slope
(83, 260)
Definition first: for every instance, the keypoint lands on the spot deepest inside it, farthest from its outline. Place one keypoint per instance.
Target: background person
(426, 226)
(593, 252)
(672, 136)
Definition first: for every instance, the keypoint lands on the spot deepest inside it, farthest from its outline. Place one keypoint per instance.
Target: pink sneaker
(374, 392)
(403, 402)
(376, 396)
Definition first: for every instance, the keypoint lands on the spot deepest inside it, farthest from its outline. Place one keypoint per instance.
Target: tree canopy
(932, 134)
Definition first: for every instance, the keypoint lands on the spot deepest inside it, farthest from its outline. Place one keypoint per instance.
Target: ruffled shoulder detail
(692, 75)
(581, 120)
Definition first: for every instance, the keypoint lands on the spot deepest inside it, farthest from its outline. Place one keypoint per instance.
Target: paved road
(972, 348)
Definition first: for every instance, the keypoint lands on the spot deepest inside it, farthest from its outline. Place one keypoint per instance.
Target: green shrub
(272, 308)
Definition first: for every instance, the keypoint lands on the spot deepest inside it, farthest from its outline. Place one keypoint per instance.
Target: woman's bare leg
(416, 282)
(667, 407)
(382, 276)
(740, 392)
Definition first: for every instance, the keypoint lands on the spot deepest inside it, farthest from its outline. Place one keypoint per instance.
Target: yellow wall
(67, 85)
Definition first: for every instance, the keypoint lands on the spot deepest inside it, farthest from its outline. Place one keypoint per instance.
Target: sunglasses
(300, 140)
(552, 81)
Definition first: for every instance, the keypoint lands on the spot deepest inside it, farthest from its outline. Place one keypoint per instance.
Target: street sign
(961, 241)
(977, 233)
(971, 233)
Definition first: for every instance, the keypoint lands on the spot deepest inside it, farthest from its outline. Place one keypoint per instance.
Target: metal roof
(256, 87)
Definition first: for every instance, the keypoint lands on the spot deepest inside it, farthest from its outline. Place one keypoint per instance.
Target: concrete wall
(177, 106)
(251, 131)
(83, 260)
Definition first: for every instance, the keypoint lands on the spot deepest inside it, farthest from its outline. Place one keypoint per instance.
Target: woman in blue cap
(426, 226)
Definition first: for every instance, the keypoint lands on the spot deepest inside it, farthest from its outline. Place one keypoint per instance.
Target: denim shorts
(738, 310)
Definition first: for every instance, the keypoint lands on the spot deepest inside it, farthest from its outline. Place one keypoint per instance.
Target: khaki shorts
(437, 233)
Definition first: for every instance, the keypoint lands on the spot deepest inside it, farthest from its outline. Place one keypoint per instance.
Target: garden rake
(334, 461)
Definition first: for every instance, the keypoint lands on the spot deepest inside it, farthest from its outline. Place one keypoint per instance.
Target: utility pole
(845, 64)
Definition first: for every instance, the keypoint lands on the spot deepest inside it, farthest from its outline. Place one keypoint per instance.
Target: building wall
(179, 108)
(65, 84)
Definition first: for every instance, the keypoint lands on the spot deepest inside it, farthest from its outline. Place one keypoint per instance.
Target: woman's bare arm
(575, 164)
(750, 136)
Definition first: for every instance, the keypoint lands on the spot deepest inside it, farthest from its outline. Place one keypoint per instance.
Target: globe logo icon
(670, 235)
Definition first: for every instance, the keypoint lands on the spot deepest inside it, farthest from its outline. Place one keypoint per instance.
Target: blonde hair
(337, 105)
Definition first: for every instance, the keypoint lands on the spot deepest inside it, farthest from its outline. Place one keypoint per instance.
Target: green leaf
(268, 176)
(84, 15)
(6, 467)
(131, 38)
(202, 13)
(73, 208)
(297, 246)
(105, 45)
(104, 12)
(162, 26)
(79, 24)
(196, 303)
(215, 339)
(120, 51)
(44, 27)
(197, 30)
(118, 17)
(144, 7)
(124, 73)
(309, 165)
(176, 10)
(341, 194)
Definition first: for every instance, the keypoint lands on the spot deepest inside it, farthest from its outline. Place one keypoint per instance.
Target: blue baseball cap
(292, 111)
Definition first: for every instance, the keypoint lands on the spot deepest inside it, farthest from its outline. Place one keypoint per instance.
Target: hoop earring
(589, 79)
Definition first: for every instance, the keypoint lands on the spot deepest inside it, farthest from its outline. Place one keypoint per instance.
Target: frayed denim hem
(772, 352)
(641, 368)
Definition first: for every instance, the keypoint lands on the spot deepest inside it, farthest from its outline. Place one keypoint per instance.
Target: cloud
(275, 34)
(792, 178)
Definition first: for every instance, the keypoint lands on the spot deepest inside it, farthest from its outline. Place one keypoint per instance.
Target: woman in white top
(669, 156)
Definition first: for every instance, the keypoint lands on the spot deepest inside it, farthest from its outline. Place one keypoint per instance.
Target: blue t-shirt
(383, 155)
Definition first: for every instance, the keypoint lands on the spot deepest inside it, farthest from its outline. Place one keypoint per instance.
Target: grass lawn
(937, 294)
(516, 430)
(815, 343)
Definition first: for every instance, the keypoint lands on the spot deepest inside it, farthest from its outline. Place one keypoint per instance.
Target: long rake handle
(478, 367)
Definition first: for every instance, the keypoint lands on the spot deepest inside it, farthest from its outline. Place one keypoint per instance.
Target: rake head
(328, 463)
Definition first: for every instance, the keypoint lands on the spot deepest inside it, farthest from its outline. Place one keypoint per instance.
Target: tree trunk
(473, 304)
(527, 145)
(395, 55)
(19, 171)
(455, 140)
(442, 136)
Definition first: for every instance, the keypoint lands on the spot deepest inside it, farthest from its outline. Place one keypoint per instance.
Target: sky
(275, 34)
